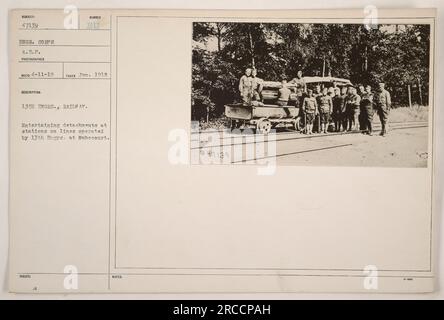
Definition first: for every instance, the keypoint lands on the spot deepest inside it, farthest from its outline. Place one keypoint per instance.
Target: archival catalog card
(221, 151)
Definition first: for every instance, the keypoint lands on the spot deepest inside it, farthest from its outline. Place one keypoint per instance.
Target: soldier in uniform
(257, 86)
(353, 103)
(299, 81)
(361, 109)
(383, 104)
(346, 114)
(300, 88)
(325, 109)
(367, 110)
(338, 106)
(317, 93)
(246, 87)
(310, 108)
(284, 94)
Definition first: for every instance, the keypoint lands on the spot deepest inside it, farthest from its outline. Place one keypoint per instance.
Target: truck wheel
(263, 126)
(232, 124)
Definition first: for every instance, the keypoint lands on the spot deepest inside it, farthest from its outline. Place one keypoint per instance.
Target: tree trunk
(250, 38)
(366, 59)
(420, 91)
(323, 66)
(219, 36)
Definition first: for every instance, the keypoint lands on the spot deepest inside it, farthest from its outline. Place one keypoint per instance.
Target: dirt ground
(405, 145)
(400, 148)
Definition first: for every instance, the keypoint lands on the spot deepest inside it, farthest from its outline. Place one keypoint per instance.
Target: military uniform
(352, 105)
(284, 96)
(317, 96)
(310, 105)
(300, 85)
(383, 103)
(300, 91)
(338, 111)
(300, 95)
(325, 108)
(246, 89)
(367, 111)
(257, 85)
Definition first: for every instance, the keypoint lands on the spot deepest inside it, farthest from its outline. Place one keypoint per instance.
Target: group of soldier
(250, 86)
(346, 108)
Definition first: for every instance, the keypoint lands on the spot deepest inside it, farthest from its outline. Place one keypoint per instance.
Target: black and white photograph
(280, 152)
(325, 94)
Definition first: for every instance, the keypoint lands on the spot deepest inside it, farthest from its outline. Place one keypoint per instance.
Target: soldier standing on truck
(383, 104)
(257, 86)
(310, 107)
(246, 87)
(299, 81)
(300, 88)
(367, 110)
(325, 109)
(284, 94)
